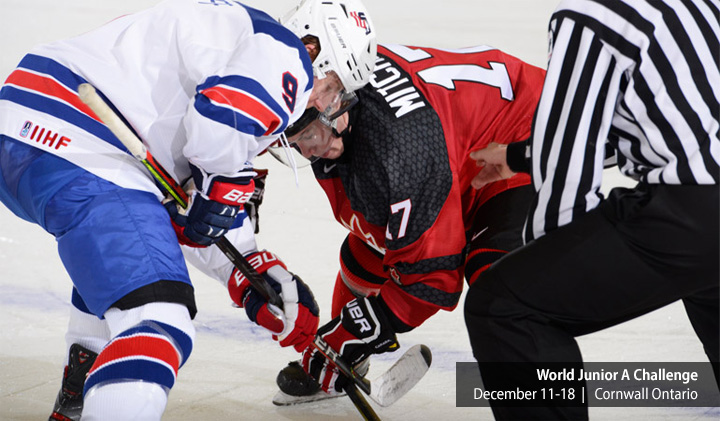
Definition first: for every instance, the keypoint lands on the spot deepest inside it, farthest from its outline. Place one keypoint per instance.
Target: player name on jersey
(395, 86)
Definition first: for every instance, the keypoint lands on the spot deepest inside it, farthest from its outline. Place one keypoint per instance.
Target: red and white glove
(362, 329)
(215, 201)
(297, 324)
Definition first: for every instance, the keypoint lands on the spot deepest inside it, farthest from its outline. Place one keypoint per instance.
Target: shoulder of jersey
(392, 87)
(243, 20)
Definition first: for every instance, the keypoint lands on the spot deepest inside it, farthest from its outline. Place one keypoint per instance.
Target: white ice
(231, 373)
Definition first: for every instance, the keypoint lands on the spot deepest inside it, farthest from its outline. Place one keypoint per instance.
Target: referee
(643, 76)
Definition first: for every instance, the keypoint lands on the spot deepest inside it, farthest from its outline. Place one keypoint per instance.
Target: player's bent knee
(150, 344)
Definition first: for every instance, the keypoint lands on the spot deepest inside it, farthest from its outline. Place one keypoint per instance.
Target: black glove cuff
(516, 157)
(397, 325)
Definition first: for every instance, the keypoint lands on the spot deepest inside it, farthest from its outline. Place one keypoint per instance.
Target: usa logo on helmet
(361, 21)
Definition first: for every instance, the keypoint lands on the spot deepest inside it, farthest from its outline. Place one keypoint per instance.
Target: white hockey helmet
(346, 34)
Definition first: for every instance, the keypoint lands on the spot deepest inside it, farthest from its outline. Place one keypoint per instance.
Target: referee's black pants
(641, 249)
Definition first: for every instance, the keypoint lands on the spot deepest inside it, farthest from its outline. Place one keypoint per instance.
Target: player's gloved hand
(215, 201)
(252, 207)
(362, 329)
(297, 324)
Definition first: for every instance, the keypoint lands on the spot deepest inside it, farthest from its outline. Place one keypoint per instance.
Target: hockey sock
(137, 368)
(125, 401)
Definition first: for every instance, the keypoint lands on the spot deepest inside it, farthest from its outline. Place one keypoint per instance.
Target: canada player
(208, 85)
(397, 172)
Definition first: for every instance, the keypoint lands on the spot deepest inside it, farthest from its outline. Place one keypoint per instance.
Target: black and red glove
(362, 329)
(297, 323)
(215, 201)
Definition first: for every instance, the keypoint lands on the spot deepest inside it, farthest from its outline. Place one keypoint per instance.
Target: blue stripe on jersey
(227, 116)
(231, 118)
(264, 24)
(60, 110)
(53, 107)
(51, 67)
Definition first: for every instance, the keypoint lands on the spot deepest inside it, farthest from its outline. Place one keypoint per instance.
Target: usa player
(208, 85)
(397, 172)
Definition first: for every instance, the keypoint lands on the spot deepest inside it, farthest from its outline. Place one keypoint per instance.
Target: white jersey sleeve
(211, 82)
(258, 84)
(208, 82)
(213, 262)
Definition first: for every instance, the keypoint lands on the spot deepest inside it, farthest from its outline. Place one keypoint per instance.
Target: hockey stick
(92, 99)
(404, 374)
(134, 145)
(394, 383)
(361, 403)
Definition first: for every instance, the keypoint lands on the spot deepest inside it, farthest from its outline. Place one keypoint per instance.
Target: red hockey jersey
(403, 182)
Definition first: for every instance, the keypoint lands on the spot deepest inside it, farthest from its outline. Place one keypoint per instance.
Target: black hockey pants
(641, 249)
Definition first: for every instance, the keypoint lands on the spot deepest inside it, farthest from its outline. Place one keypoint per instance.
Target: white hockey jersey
(210, 82)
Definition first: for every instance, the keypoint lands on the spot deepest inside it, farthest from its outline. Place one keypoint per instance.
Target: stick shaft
(342, 365)
(90, 97)
(126, 136)
(361, 403)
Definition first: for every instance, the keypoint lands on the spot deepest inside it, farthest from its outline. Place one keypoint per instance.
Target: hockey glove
(297, 324)
(360, 331)
(252, 207)
(214, 202)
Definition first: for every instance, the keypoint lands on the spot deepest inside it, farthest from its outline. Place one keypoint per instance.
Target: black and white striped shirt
(641, 74)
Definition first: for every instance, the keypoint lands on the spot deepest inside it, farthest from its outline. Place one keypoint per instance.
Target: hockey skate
(296, 386)
(69, 402)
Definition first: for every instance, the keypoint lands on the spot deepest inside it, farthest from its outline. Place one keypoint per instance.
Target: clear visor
(315, 139)
(341, 104)
(330, 97)
(314, 132)
(291, 157)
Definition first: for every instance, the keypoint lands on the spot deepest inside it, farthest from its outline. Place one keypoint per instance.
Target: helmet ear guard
(346, 34)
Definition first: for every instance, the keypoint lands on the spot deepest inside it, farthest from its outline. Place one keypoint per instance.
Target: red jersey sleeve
(403, 184)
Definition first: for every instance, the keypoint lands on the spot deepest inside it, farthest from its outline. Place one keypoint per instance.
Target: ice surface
(231, 374)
